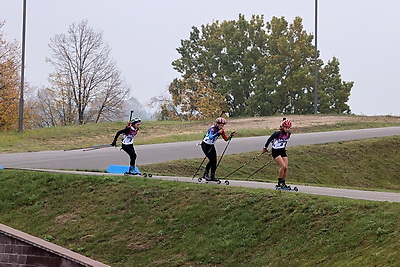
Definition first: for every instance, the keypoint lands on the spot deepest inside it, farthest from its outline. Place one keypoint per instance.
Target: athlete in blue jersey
(207, 145)
(279, 141)
(127, 142)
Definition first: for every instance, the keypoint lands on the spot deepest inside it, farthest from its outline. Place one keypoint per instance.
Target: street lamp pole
(315, 61)
(21, 97)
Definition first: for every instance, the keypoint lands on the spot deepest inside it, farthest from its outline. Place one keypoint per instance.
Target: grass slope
(371, 163)
(142, 222)
(125, 221)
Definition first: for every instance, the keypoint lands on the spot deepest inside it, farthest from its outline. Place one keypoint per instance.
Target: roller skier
(129, 134)
(279, 141)
(208, 147)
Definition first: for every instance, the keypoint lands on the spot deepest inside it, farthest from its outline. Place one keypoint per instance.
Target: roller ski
(283, 186)
(211, 179)
(134, 171)
(139, 174)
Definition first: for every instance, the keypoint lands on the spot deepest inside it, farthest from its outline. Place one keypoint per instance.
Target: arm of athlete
(226, 138)
(269, 140)
(123, 131)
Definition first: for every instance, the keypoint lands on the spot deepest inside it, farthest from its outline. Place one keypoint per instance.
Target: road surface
(100, 159)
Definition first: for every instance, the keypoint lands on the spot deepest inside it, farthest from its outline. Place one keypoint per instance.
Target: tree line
(252, 68)
(239, 67)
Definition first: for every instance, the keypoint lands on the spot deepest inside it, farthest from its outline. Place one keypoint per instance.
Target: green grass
(78, 136)
(371, 163)
(143, 222)
(125, 221)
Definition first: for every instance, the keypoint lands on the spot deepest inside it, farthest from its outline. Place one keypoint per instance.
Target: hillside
(142, 222)
(372, 163)
(125, 221)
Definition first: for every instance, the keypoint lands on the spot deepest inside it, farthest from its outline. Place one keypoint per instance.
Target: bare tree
(85, 78)
(45, 109)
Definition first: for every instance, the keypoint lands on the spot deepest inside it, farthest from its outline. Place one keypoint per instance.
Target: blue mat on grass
(120, 169)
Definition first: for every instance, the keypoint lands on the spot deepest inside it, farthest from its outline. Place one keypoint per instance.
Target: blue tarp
(120, 169)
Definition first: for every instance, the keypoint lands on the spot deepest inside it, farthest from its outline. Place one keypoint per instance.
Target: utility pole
(315, 61)
(21, 97)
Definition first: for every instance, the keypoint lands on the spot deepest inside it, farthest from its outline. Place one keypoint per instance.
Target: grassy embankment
(367, 164)
(143, 222)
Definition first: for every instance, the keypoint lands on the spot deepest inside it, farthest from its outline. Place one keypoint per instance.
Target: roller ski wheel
(217, 181)
(288, 188)
(139, 174)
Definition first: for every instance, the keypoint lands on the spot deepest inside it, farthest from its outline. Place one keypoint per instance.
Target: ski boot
(135, 171)
(283, 186)
(205, 175)
(132, 171)
(212, 178)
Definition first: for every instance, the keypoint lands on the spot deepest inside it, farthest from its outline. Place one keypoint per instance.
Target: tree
(196, 99)
(334, 92)
(86, 83)
(260, 68)
(165, 109)
(9, 83)
(227, 53)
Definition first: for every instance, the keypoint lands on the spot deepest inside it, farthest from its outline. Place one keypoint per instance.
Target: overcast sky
(143, 35)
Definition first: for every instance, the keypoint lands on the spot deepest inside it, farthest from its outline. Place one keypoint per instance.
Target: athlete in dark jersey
(127, 142)
(279, 141)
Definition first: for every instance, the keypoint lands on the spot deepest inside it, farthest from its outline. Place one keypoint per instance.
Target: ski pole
(225, 149)
(262, 167)
(96, 147)
(87, 147)
(201, 164)
(247, 162)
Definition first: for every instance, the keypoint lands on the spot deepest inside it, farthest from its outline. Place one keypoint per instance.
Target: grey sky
(144, 35)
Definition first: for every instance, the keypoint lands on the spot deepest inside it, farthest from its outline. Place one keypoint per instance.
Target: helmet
(135, 120)
(220, 120)
(287, 123)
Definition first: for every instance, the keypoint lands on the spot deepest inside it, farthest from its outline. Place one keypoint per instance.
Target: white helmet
(220, 120)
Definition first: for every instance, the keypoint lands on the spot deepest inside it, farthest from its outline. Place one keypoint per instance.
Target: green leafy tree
(333, 92)
(260, 68)
(227, 53)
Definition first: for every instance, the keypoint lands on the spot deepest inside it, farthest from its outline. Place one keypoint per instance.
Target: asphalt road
(100, 159)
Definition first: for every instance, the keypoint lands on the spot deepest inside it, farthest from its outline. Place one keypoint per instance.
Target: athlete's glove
(114, 143)
(264, 150)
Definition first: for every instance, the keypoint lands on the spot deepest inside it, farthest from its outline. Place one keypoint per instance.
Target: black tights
(130, 150)
(211, 154)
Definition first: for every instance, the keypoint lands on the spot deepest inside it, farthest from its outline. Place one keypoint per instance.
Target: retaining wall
(18, 249)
